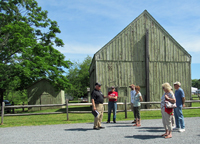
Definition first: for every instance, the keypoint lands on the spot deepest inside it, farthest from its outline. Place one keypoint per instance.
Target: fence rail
(78, 104)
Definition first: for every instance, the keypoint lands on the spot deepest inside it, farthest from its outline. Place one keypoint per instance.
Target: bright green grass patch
(11, 121)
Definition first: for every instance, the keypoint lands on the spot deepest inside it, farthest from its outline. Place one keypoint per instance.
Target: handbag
(168, 104)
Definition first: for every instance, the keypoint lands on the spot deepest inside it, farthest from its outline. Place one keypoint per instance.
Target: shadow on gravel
(120, 126)
(151, 129)
(119, 123)
(143, 137)
(79, 129)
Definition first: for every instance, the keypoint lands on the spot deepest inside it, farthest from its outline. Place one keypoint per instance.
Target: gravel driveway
(120, 133)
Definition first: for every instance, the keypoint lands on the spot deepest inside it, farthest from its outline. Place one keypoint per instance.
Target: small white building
(193, 90)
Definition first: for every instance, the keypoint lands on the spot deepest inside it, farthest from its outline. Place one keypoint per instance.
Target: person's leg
(181, 118)
(114, 111)
(109, 111)
(164, 122)
(136, 115)
(169, 125)
(176, 111)
(96, 119)
(132, 108)
(139, 119)
(173, 121)
(101, 109)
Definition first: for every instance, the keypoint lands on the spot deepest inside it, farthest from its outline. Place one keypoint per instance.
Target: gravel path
(120, 133)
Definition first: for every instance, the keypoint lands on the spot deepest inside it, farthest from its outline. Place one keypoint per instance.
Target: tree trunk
(1, 95)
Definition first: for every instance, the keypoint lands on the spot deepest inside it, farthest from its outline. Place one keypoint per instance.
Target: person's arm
(110, 97)
(93, 105)
(141, 99)
(183, 98)
(115, 97)
(172, 100)
(183, 101)
(105, 96)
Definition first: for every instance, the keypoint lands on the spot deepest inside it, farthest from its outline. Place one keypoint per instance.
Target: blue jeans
(179, 117)
(112, 105)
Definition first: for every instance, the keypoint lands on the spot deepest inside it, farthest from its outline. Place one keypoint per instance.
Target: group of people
(97, 98)
(168, 114)
(97, 104)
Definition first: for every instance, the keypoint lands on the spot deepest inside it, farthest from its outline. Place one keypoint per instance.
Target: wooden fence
(78, 104)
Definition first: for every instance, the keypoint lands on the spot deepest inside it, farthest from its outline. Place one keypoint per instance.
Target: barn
(145, 54)
(42, 92)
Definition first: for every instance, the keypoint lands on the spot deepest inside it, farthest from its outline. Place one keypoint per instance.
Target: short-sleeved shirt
(133, 92)
(136, 102)
(113, 94)
(170, 95)
(98, 96)
(179, 94)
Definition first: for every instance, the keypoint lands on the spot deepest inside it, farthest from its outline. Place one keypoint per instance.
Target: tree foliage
(78, 77)
(196, 83)
(27, 41)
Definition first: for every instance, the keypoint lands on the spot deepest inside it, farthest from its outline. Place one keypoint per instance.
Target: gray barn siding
(121, 61)
(169, 62)
(42, 92)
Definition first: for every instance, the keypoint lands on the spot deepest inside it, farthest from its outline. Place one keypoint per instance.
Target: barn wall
(121, 61)
(43, 92)
(169, 62)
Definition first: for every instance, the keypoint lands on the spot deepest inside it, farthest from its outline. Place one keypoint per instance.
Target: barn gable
(135, 31)
(42, 92)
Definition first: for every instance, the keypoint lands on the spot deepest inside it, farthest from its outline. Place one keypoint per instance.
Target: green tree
(78, 77)
(18, 97)
(196, 83)
(27, 41)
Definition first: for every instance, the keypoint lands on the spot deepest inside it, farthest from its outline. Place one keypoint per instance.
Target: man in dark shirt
(97, 104)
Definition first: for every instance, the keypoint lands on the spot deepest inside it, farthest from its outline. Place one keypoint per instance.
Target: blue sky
(87, 25)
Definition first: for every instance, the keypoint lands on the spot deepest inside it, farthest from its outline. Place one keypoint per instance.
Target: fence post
(125, 109)
(13, 110)
(67, 109)
(2, 112)
(23, 107)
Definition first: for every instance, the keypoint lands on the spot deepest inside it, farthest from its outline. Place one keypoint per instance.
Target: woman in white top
(166, 112)
(136, 105)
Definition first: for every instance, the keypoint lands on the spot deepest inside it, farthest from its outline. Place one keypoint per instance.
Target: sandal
(168, 137)
(138, 125)
(164, 135)
(135, 125)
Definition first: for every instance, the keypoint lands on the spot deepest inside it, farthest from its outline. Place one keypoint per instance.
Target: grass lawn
(11, 121)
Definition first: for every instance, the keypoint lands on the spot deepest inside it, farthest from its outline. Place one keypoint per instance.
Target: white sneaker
(176, 129)
(181, 130)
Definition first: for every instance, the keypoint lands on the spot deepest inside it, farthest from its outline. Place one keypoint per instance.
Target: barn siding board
(151, 81)
(129, 44)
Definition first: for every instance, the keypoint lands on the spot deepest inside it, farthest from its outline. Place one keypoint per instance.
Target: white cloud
(79, 49)
(192, 45)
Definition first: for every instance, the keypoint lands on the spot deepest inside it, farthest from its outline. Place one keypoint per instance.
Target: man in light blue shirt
(180, 102)
(133, 92)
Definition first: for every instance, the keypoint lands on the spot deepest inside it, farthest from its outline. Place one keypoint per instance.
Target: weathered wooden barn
(42, 92)
(145, 54)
